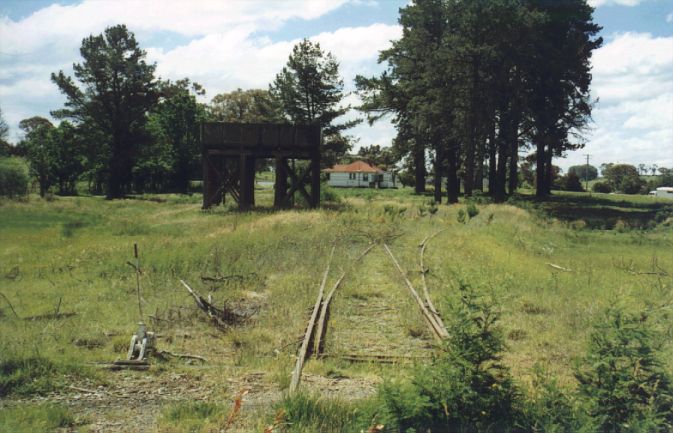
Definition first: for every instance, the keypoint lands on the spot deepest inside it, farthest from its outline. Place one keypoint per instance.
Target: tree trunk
(549, 175)
(513, 183)
(452, 183)
(540, 170)
(501, 169)
(491, 160)
(419, 167)
(479, 172)
(438, 173)
(468, 177)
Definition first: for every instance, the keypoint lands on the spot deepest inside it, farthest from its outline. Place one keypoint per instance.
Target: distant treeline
(124, 130)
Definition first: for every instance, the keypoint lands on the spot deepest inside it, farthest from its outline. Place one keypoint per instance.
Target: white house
(359, 174)
(663, 191)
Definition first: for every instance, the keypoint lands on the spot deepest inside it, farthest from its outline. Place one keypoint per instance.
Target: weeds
(32, 419)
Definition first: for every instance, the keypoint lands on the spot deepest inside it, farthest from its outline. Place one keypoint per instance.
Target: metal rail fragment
(438, 331)
(301, 356)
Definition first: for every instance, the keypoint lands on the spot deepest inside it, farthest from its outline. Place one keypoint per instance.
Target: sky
(225, 45)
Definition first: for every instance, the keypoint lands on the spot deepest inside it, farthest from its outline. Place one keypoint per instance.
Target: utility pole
(586, 173)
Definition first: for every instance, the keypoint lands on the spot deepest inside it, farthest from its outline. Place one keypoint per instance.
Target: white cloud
(597, 3)
(633, 79)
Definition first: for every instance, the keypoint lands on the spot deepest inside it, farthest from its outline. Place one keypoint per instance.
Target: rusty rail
(438, 330)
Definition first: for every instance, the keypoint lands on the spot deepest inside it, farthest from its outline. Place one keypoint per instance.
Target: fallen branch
(76, 388)
(438, 331)
(50, 316)
(226, 278)
(10, 305)
(221, 318)
(301, 356)
(181, 355)
(379, 359)
(560, 268)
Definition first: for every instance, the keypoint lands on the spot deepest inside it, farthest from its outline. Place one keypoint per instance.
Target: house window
(365, 177)
(351, 176)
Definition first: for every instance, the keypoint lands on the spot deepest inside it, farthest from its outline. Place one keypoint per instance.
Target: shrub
(603, 187)
(36, 418)
(549, 407)
(13, 178)
(472, 210)
(621, 379)
(571, 182)
(26, 376)
(466, 388)
(311, 413)
(327, 194)
(462, 216)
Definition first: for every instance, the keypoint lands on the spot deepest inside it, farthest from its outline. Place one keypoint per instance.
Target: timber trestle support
(230, 152)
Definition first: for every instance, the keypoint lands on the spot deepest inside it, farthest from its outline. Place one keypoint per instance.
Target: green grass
(75, 249)
(42, 418)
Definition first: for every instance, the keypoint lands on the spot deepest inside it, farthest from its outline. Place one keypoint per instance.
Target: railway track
(377, 317)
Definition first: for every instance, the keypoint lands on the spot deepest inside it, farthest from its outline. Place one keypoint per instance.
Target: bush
(36, 418)
(621, 379)
(603, 187)
(571, 182)
(472, 210)
(311, 413)
(26, 376)
(466, 388)
(13, 178)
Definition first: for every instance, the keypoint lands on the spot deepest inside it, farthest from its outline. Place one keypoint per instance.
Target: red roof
(354, 167)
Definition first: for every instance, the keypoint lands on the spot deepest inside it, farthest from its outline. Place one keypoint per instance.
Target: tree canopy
(310, 90)
(116, 89)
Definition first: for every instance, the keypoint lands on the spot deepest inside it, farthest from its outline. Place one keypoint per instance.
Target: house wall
(360, 180)
(352, 180)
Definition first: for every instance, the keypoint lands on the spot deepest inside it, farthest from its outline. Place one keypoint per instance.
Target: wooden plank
(437, 331)
(301, 356)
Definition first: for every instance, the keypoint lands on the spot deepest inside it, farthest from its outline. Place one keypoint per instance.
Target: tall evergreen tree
(310, 91)
(116, 90)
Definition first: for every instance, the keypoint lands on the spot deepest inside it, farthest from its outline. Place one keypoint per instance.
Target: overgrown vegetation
(33, 419)
(74, 251)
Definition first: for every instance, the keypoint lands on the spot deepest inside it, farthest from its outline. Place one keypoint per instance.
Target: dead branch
(221, 318)
(181, 355)
(10, 305)
(438, 331)
(227, 278)
(560, 268)
(301, 356)
(50, 316)
(76, 388)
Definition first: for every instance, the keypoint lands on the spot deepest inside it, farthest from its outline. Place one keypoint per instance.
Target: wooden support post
(212, 180)
(315, 181)
(280, 187)
(246, 183)
(206, 181)
(250, 163)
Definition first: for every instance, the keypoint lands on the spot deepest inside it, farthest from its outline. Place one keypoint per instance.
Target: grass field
(551, 266)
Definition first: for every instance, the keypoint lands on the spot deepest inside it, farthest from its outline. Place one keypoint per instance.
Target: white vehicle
(663, 191)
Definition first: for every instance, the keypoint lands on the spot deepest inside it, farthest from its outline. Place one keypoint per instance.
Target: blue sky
(244, 43)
